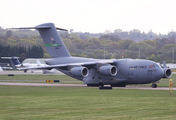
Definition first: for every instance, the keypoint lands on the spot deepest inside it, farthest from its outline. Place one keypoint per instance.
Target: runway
(80, 85)
(66, 85)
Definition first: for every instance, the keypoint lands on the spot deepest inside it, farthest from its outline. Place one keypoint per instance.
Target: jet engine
(167, 73)
(108, 70)
(79, 71)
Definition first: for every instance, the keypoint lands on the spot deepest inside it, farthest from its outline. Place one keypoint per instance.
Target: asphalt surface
(80, 85)
(66, 85)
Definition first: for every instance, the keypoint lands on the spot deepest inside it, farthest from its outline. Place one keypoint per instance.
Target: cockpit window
(156, 65)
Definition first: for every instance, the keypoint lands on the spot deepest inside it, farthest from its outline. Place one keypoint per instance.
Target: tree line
(158, 49)
(102, 45)
(21, 51)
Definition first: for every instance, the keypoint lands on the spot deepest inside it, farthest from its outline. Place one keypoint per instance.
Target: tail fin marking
(52, 40)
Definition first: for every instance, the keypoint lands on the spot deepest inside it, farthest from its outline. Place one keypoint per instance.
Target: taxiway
(80, 85)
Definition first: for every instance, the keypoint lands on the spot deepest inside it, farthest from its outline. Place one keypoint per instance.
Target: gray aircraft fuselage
(130, 71)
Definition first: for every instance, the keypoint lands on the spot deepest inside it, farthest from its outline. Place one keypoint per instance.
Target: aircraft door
(130, 74)
(144, 75)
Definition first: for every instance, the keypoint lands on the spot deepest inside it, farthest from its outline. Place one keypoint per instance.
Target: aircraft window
(149, 72)
(156, 65)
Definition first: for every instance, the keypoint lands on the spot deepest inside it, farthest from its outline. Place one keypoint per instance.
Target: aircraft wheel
(154, 85)
(88, 85)
(101, 84)
(92, 85)
(96, 85)
(113, 85)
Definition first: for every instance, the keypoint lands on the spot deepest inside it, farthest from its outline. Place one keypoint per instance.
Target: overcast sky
(92, 16)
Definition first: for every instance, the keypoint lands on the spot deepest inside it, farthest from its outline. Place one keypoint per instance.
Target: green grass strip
(77, 103)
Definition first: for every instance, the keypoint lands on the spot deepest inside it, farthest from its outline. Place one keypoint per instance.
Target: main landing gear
(154, 86)
(101, 86)
(92, 85)
(118, 85)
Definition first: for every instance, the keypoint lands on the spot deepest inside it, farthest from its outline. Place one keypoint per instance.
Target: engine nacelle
(167, 73)
(108, 70)
(79, 71)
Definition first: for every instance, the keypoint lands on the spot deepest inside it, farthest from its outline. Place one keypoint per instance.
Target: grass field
(39, 78)
(83, 103)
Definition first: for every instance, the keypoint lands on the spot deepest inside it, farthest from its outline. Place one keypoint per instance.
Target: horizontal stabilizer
(36, 27)
(61, 29)
(14, 57)
(23, 28)
(39, 27)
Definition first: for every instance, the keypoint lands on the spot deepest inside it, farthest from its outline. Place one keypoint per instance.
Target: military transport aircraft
(97, 72)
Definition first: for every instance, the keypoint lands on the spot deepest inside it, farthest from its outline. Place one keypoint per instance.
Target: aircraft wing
(171, 66)
(49, 67)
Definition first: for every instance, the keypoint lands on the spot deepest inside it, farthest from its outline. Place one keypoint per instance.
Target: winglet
(1, 68)
(164, 65)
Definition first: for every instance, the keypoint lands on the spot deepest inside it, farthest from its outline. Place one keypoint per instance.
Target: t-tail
(52, 40)
(13, 61)
(16, 62)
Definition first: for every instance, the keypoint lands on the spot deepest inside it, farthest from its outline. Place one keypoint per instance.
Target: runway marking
(81, 85)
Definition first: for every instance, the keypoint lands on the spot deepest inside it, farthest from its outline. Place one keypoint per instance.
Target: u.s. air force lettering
(138, 67)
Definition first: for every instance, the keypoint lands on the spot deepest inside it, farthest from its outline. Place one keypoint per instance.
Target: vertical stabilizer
(52, 40)
(15, 60)
(1, 69)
